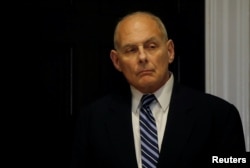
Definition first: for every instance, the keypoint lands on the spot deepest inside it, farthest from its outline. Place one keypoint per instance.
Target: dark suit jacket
(198, 126)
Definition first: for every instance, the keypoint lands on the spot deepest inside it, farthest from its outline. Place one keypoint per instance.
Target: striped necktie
(148, 131)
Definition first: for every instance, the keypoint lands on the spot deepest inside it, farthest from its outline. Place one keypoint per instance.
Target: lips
(145, 72)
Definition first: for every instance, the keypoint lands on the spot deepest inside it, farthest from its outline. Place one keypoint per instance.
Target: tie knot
(147, 99)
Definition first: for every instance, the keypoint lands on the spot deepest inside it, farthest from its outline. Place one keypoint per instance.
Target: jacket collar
(120, 129)
(178, 128)
(179, 125)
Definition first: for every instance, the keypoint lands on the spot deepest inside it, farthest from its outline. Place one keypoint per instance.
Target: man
(185, 127)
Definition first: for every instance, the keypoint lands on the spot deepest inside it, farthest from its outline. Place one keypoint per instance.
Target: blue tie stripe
(147, 99)
(149, 158)
(147, 146)
(150, 124)
(148, 130)
(149, 133)
(149, 140)
(148, 113)
(151, 143)
(148, 162)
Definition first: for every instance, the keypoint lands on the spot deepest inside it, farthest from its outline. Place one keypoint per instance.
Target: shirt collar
(162, 95)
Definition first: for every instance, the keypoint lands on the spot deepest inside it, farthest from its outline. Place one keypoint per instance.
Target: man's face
(143, 55)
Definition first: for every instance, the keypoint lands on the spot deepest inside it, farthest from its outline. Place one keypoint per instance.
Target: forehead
(137, 28)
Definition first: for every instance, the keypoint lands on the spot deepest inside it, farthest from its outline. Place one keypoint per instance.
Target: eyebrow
(151, 39)
(145, 42)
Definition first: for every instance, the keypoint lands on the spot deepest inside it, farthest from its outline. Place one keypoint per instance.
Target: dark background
(74, 41)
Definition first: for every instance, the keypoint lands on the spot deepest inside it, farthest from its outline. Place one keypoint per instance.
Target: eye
(131, 50)
(152, 46)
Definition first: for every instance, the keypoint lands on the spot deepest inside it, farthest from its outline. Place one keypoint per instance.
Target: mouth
(145, 72)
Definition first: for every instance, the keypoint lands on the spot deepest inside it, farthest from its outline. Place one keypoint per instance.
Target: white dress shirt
(159, 109)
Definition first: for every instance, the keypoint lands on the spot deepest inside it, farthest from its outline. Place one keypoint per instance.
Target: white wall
(227, 55)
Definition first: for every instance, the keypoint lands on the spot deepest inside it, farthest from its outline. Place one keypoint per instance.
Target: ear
(170, 48)
(115, 59)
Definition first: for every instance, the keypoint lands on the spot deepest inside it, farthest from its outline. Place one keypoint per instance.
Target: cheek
(161, 65)
(162, 61)
(127, 67)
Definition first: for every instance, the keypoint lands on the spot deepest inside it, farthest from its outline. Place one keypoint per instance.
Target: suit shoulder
(100, 102)
(205, 98)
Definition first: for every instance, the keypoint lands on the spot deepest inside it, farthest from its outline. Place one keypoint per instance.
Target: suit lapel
(120, 131)
(178, 128)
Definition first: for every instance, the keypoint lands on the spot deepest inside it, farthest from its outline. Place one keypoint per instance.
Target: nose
(142, 55)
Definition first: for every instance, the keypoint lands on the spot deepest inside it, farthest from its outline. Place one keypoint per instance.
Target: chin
(147, 86)
(147, 80)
